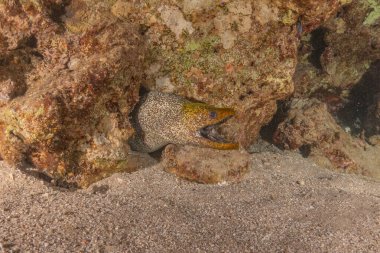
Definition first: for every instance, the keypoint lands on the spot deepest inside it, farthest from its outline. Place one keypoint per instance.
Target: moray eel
(160, 119)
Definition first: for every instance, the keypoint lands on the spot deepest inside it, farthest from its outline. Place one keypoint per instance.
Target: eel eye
(213, 115)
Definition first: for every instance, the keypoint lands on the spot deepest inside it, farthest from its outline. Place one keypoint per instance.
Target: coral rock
(205, 165)
(256, 39)
(337, 54)
(79, 90)
(310, 128)
(77, 67)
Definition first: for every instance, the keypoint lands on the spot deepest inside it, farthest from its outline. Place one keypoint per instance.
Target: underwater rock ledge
(71, 72)
(334, 115)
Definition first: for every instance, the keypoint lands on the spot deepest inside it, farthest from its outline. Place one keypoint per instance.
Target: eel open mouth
(213, 132)
(205, 125)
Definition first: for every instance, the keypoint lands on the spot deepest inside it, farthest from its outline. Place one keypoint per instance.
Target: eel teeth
(211, 131)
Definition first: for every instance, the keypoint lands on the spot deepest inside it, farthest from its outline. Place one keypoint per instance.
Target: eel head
(203, 121)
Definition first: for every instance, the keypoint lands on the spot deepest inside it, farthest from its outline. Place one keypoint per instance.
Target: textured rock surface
(337, 54)
(311, 128)
(206, 165)
(338, 66)
(71, 71)
(239, 54)
(65, 105)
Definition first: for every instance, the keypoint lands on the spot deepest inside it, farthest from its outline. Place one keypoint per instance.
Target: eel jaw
(210, 136)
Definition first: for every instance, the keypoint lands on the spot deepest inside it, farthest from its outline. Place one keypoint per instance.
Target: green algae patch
(192, 46)
(374, 14)
(204, 45)
(343, 2)
(290, 18)
(196, 53)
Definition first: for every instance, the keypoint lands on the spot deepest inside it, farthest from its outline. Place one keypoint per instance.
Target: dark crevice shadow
(28, 42)
(157, 155)
(14, 66)
(267, 131)
(319, 45)
(57, 10)
(305, 150)
(28, 169)
(355, 114)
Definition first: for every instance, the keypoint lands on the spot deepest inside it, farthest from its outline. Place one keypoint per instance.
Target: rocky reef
(71, 71)
(337, 54)
(334, 114)
(310, 128)
(240, 54)
(66, 96)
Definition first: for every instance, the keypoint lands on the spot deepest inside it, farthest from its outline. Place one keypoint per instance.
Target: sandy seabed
(286, 204)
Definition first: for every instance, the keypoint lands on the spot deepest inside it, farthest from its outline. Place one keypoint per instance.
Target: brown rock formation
(338, 66)
(336, 55)
(66, 103)
(239, 54)
(71, 71)
(311, 128)
(205, 165)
